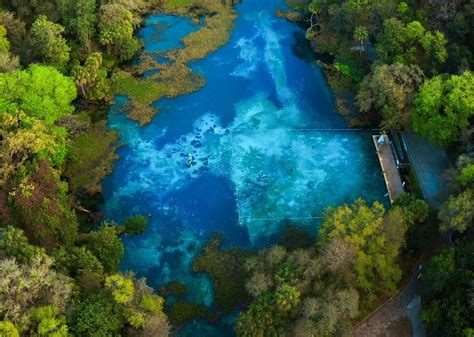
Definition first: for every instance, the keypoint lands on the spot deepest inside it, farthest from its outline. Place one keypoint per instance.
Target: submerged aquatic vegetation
(175, 77)
(142, 93)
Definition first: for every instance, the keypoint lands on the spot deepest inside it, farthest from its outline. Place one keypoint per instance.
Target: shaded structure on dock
(392, 177)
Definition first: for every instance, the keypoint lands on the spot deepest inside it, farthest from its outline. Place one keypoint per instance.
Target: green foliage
(13, 243)
(91, 156)
(173, 288)
(8, 329)
(152, 303)
(287, 274)
(286, 298)
(116, 31)
(40, 92)
(458, 212)
(91, 78)
(136, 319)
(361, 34)
(107, 247)
(182, 312)
(415, 210)
(84, 22)
(42, 208)
(226, 270)
(31, 101)
(96, 316)
(8, 62)
(135, 225)
(466, 177)
(29, 285)
(36, 106)
(48, 322)
(121, 288)
(389, 91)
(49, 43)
(263, 318)
(80, 263)
(447, 280)
(376, 249)
(343, 68)
(444, 107)
(411, 44)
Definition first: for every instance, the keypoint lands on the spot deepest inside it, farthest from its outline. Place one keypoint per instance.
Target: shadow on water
(302, 48)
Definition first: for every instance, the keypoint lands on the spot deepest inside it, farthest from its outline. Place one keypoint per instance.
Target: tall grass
(176, 78)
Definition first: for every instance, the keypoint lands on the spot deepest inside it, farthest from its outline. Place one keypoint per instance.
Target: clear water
(262, 153)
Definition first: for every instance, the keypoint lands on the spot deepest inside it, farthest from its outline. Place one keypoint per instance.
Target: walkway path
(392, 319)
(389, 168)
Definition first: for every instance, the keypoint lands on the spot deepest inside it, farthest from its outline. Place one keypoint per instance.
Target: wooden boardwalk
(389, 168)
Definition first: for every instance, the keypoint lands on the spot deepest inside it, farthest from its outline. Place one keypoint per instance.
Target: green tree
(41, 206)
(97, 316)
(286, 297)
(458, 212)
(13, 243)
(85, 21)
(107, 246)
(121, 288)
(49, 43)
(466, 176)
(8, 62)
(41, 92)
(8, 329)
(82, 265)
(31, 102)
(27, 285)
(91, 78)
(49, 322)
(389, 90)
(136, 224)
(414, 210)
(411, 44)
(366, 230)
(391, 41)
(444, 107)
(262, 318)
(361, 34)
(447, 279)
(116, 31)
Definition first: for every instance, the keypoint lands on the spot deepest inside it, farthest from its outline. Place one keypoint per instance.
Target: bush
(135, 225)
(182, 312)
(226, 268)
(173, 288)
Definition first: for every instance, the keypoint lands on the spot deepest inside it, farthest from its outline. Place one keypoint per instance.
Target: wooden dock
(389, 168)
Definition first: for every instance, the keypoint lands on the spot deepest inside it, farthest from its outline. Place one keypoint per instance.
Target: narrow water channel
(265, 144)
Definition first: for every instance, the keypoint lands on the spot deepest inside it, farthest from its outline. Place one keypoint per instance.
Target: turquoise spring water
(264, 146)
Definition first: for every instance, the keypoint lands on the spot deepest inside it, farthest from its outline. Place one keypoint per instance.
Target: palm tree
(360, 35)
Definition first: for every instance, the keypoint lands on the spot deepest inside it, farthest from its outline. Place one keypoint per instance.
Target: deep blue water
(261, 152)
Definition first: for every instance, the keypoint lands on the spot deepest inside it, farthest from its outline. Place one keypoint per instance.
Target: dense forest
(403, 65)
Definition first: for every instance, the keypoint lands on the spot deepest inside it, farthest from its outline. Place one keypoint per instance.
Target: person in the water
(190, 159)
